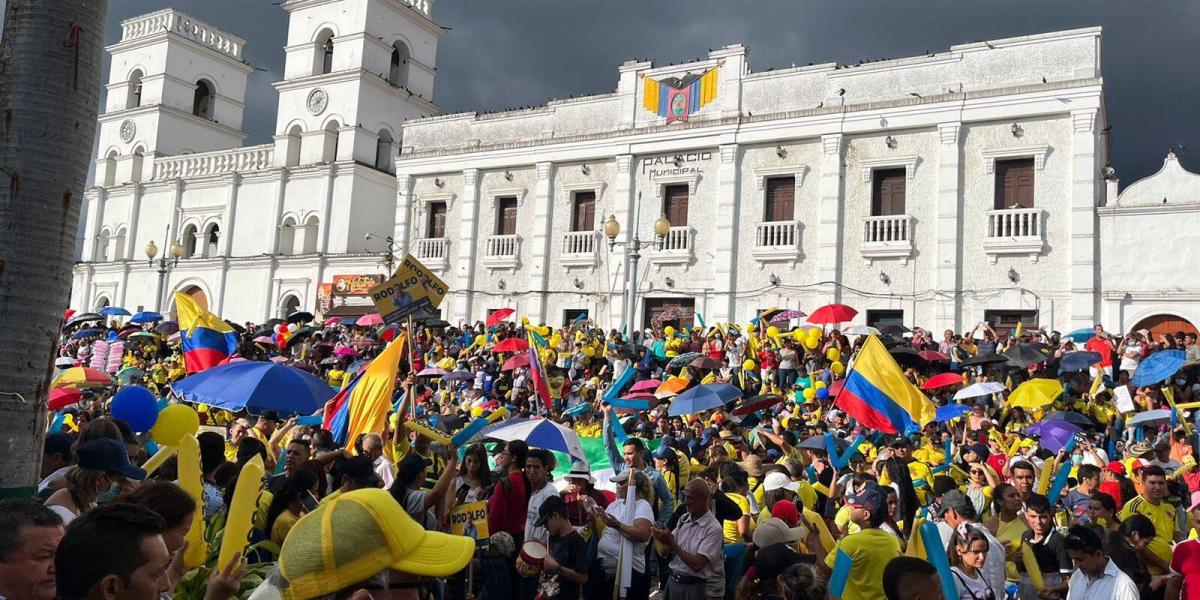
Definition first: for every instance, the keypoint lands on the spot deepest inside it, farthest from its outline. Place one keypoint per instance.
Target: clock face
(128, 130)
(317, 101)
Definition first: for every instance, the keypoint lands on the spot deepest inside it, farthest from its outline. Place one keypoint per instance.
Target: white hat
(775, 531)
(580, 470)
(776, 480)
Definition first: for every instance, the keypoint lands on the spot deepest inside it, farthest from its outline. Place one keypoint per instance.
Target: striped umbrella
(82, 377)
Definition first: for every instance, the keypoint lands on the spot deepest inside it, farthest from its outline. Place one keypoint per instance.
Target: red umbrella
(934, 356)
(498, 316)
(832, 313)
(645, 384)
(344, 351)
(942, 380)
(511, 345)
(515, 361)
(369, 320)
(61, 398)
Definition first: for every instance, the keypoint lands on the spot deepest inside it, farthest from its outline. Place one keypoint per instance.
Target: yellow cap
(355, 535)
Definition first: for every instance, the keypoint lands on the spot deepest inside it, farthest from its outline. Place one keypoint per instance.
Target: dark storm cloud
(507, 53)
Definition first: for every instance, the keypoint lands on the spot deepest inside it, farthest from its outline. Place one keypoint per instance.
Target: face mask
(1180, 382)
(1076, 459)
(109, 494)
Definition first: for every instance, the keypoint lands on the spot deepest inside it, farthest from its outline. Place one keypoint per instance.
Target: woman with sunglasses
(968, 550)
(981, 483)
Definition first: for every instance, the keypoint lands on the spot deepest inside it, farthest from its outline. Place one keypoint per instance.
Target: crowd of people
(778, 491)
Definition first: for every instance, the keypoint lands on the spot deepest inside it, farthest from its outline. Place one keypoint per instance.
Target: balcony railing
(502, 251)
(889, 236)
(579, 248)
(1015, 231)
(433, 253)
(185, 25)
(676, 247)
(254, 158)
(777, 240)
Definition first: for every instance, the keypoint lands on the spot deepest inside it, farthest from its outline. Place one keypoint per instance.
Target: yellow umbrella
(82, 377)
(1036, 393)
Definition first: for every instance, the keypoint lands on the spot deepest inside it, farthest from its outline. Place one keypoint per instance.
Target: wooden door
(584, 215)
(887, 194)
(506, 218)
(781, 199)
(437, 220)
(1014, 183)
(675, 204)
(1165, 324)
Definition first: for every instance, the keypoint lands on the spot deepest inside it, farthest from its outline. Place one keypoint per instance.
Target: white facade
(265, 226)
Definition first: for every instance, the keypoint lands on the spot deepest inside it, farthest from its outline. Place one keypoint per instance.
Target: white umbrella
(541, 433)
(861, 330)
(980, 389)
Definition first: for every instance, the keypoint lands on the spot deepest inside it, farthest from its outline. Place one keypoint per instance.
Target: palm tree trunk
(49, 92)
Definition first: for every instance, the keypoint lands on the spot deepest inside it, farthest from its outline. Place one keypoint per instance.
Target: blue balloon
(137, 406)
(823, 394)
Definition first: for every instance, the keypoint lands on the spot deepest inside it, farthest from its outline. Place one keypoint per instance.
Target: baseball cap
(980, 450)
(870, 498)
(955, 499)
(785, 510)
(774, 531)
(58, 443)
(776, 480)
(107, 454)
(552, 505)
(1115, 467)
(353, 536)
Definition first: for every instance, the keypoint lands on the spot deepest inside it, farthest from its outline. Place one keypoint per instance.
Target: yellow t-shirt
(1163, 517)
(871, 550)
(283, 524)
(930, 455)
(731, 530)
(842, 520)
(1011, 530)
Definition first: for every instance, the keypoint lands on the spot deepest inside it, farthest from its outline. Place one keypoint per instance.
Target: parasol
(979, 389)
(256, 386)
(942, 380)
(511, 345)
(541, 433)
(1054, 434)
(1036, 393)
(499, 315)
(702, 398)
(1158, 366)
(832, 313)
(1077, 361)
(515, 361)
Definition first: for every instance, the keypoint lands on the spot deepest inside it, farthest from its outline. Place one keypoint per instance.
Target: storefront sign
(355, 285)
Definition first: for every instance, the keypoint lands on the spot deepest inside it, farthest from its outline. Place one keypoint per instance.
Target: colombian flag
(878, 394)
(207, 340)
(538, 375)
(362, 407)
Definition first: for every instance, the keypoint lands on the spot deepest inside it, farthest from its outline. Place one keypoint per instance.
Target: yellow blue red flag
(370, 397)
(878, 394)
(207, 340)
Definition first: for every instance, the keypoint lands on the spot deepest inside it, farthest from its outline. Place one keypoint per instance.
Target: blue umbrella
(82, 333)
(114, 311)
(256, 386)
(702, 398)
(1150, 417)
(951, 411)
(541, 433)
(1077, 361)
(1081, 335)
(146, 316)
(1054, 434)
(1158, 367)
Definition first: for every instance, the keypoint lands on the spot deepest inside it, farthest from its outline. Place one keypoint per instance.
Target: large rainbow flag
(676, 98)
(207, 340)
(878, 394)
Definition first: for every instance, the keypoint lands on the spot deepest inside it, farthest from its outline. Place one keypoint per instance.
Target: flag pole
(412, 365)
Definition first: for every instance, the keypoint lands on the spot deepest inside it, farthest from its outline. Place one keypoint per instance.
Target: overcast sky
(503, 53)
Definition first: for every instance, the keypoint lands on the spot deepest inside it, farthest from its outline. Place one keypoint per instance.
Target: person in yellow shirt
(733, 484)
(1151, 504)
(870, 549)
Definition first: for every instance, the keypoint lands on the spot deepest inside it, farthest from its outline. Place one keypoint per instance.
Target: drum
(529, 562)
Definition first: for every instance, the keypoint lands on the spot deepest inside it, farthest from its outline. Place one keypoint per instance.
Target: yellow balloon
(833, 354)
(238, 521)
(480, 340)
(191, 480)
(818, 385)
(772, 331)
(838, 367)
(798, 335)
(811, 343)
(542, 331)
(814, 333)
(669, 331)
(173, 423)
(749, 365)
(749, 326)
(672, 353)
(555, 340)
(809, 393)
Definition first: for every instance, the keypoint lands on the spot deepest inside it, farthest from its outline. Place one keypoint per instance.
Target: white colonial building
(938, 190)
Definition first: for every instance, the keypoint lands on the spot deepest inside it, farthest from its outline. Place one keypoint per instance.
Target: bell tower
(354, 71)
(176, 85)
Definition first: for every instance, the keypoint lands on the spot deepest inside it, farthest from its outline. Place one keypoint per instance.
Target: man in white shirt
(1095, 574)
(384, 470)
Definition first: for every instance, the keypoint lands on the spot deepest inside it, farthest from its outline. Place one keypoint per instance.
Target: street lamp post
(633, 248)
(388, 259)
(167, 262)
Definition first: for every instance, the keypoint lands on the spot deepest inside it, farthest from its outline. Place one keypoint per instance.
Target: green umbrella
(126, 375)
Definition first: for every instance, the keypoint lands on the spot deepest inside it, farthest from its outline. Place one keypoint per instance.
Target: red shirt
(507, 508)
(997, 462)
(1185, 560)
(1103, 347)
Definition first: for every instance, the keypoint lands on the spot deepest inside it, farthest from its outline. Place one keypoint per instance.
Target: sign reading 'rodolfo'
(413, 288)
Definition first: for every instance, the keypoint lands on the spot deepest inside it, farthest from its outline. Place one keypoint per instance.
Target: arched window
(398, 73)
(211, 235)
(331, 142)
(287, 236)
(189, 241)
(324, 62)
(102, 245)
(311, 226)
(102, 302)
(119, 245)
(134, 97)
(383, 151)
(202, 104)
(288, 305)
(293, 146)
(109, 176)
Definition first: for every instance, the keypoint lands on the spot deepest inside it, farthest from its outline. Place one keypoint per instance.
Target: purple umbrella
(1054, 434)
(784, 316)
